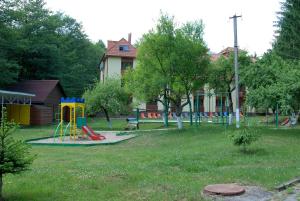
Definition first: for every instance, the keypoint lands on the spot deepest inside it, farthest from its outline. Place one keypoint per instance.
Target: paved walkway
(254, 193)
(291, 194)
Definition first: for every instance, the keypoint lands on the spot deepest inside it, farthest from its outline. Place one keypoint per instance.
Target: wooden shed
(45, 104)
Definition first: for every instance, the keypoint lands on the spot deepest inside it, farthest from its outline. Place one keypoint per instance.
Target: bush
(15, 155)
(244, 137)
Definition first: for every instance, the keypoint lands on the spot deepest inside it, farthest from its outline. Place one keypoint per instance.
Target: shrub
(244, 137)
(15, 155)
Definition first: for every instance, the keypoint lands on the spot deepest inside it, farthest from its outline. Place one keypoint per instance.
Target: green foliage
(244, 137)
(15, 155)
(287, 43)
(11, 71)
(109, 97)
(36, 43)
(272, 80)
(171, 63)
(221, 74)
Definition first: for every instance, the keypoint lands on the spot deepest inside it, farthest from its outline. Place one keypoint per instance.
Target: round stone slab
(224, 189)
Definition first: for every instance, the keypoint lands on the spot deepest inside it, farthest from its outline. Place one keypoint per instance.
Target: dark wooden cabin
(44, 105)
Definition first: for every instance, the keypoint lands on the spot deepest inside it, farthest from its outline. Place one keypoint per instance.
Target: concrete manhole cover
(224, 189)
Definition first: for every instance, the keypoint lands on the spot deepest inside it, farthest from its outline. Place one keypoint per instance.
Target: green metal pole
(166, 111)
(197, 109)
(227, 110)
(277, 116)
(191, 111)
(222, 108)
(209, 104)
(137, 114)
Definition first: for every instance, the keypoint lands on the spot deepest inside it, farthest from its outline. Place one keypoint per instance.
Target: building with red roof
(119, 56)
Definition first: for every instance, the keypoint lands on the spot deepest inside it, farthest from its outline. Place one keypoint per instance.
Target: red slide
(285, 122)
(87, 130)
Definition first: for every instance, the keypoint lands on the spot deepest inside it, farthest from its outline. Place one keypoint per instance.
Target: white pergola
(13, 97)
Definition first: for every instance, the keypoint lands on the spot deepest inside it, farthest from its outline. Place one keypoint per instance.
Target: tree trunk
(178, 109)
(166, 108)
(107, 118)
(190, 108)
(230, 101)
(179, 122)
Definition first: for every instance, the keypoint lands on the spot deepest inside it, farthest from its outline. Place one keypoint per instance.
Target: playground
(76, 132)
(110, 137)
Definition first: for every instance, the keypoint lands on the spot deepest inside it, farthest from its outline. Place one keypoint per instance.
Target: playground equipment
(217, 113)
(87, 130)
(75, 123)
(290, 121)
(213, 110)
(156, 117)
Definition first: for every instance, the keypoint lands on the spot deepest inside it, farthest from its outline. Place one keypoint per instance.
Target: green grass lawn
(160, 165)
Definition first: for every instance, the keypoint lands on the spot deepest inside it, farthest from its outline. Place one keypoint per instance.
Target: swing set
(206, 111)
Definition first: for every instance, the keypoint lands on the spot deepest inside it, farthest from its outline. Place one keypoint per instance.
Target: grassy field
(160, 165)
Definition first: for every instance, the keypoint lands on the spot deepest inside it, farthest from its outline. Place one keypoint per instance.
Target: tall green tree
(15, 155)
(37, 43)
(190, 60)
(221, 74)
(170, 63)
(271, 81)
(8, 65)
(287, 43)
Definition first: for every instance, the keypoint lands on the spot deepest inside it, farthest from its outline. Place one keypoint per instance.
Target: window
(125, 64)
(124, 48)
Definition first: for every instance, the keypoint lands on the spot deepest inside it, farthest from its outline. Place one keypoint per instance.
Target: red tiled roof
(113, 49)
(41, 88)
(214, 57)
(224, 53)
(110, 44)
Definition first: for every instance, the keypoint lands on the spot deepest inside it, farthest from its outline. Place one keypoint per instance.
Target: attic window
(124, 48)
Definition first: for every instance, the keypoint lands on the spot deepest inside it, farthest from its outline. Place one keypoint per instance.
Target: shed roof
(15, 93)
(41, 88)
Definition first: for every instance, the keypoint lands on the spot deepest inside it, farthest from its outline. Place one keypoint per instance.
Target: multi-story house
(121, 55)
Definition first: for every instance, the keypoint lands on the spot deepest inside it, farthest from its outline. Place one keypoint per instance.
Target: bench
(132, 124)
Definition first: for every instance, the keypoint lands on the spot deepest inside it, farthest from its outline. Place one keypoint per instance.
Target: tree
(190, 60)
(15, 155)
(108, 97)
(36, 43)
(170, 63)
(271, 81)
(287, 43)
(8, 66)
(221, 74)
(10, 69)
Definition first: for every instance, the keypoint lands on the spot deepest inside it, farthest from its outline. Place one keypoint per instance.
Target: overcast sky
(114, 19)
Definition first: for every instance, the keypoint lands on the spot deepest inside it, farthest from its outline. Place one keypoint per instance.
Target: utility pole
(237, 104)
